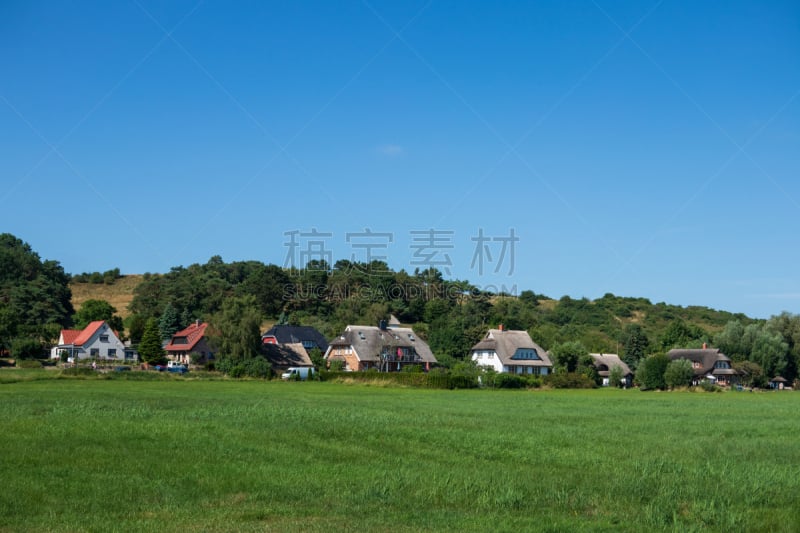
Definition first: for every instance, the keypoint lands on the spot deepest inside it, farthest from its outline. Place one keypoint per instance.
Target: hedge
(432, 380)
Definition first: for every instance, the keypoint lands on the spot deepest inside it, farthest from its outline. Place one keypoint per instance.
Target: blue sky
(641, 148)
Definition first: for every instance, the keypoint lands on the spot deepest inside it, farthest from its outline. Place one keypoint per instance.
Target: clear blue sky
(641, 148)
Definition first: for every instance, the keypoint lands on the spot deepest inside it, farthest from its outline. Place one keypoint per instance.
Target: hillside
(119, 294)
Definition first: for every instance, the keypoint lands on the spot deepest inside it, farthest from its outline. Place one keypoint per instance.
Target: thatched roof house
(511, 351)
(386, 348)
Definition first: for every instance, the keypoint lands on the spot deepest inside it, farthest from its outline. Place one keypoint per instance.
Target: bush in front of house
(569, 380)
(252, 367)
(26, 348)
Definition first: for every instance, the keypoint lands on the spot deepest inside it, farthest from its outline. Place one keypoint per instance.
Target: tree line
(451, 315)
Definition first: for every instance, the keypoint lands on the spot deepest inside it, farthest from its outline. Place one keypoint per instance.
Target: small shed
(778, 383)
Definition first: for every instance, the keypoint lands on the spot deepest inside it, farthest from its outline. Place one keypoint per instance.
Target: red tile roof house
(186, 342)
(97, 341)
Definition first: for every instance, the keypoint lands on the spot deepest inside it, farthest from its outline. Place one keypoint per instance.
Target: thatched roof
(605, 362)
(282, 356)
(707, 358)
(369, 341)
(509, 345)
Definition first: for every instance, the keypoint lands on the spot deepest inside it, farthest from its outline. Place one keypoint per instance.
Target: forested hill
(451, 314)
(37, 298)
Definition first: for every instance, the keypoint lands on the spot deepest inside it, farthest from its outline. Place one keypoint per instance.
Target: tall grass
(254, 456)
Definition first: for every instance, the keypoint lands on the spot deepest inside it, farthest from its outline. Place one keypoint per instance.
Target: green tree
(650, 374)
(135, 326)
(26, 348)
(770, 352)
(237, 328)
(679, 373)
(731, 341)
(788, 326)
(635, 345)
(34, 294)
(566, 356)
(168, 324)
(150, 349)
(615, 376)
(92, 310)
(317, 357)
(751, 373)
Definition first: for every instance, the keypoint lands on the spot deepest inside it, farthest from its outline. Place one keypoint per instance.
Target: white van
(293, 372)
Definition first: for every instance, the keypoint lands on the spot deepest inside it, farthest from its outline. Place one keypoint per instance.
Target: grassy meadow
(197, 455)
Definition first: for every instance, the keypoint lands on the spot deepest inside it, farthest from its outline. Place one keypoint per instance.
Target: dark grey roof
(604, 362)
(285, 334)
(369, 341)
(505, 344)
(706, 357)
(282, 356)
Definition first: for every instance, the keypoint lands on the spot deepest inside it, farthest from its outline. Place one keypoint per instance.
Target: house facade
(188, 341)
(384, 348)
(604, 363)
(511, 352)
(95, 341)
(708, 364)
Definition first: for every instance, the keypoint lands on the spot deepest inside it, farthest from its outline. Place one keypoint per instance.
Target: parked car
(177, 368)
(159, 368)
(298, 372)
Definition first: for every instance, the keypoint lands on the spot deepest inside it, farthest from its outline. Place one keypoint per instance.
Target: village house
(708, 364)
(95, 341)
(188, 341)
(284, 356)
(308, 336)
(511, 352)
(384, 348)
(604, 363)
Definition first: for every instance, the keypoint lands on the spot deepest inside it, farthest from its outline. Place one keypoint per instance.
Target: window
(112, 352)
(103, 338)
(94, 352)
(308, 344)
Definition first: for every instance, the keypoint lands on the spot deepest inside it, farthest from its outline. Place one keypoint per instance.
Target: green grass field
(184, 455)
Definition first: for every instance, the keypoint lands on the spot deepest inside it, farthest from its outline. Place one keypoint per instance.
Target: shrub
(336, 365)
(28, 363)
(78, 371)
(431, 380)
(569, 380)
(254, 367)
(26, 348)
(650, 373)
(710, 387)
(510, 381)
(679, 373)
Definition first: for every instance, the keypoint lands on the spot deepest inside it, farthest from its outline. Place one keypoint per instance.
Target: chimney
(500, 327)
(705, 346)
(382, 325)
(197, 322)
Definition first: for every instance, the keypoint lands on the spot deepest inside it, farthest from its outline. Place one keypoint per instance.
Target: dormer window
(103, 338)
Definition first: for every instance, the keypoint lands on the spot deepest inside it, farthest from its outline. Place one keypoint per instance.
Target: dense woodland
(451, 315)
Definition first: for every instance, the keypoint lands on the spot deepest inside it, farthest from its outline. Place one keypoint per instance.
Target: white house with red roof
(186, 342)
(96, 341)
